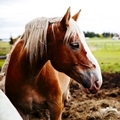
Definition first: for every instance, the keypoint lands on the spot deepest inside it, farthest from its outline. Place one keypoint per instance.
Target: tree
(11, 41)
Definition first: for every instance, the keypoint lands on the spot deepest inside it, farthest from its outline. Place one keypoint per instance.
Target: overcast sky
(96, 15)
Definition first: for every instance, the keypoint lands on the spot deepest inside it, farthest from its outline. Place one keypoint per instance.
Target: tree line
(93, 34)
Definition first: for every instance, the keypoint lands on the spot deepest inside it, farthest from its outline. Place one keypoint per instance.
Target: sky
(96, 15)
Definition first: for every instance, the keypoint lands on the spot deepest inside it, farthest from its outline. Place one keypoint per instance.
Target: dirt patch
(105, 105)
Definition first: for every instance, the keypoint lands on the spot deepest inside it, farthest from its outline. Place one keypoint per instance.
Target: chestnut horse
(48, 80)
(62, 42)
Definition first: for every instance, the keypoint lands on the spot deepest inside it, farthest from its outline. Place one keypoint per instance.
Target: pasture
(107, 52)
(4, 49)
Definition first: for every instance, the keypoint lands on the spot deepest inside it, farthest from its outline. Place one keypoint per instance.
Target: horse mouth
(91, 83)
(88, 91)
(95, 86)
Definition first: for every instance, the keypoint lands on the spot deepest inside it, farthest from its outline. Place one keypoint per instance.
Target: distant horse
(60, 41)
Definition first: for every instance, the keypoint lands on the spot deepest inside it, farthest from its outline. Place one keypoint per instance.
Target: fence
(104, 45)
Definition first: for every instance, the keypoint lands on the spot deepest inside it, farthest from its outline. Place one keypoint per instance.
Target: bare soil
(105, 105)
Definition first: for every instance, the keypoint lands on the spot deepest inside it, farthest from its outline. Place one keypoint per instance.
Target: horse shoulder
(64, 81)
(49, 81)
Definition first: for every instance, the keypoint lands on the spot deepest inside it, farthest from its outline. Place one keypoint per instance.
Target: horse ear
(75, 17)
(65, 20)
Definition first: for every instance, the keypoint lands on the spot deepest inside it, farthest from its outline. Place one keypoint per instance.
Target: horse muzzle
(95, 85)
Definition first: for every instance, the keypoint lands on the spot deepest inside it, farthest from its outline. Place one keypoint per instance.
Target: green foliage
(93, 34)
(107, 34)
(11, 41)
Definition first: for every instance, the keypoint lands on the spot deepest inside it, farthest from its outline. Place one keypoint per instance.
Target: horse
(60, 41)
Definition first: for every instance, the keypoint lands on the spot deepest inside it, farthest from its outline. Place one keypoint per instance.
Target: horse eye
(74, 45)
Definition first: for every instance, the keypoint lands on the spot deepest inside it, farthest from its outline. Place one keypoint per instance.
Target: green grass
(107, 52)
(1, 63)
(4, 44)
(4, 48)
(109, 60)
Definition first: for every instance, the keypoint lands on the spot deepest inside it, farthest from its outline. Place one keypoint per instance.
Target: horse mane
(36, 32)
(73, 30)
(35, 36)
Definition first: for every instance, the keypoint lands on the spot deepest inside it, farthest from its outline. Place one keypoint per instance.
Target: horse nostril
(97, 84)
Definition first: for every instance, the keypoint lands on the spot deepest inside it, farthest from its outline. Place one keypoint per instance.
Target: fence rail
(2, 57)
(104, 45)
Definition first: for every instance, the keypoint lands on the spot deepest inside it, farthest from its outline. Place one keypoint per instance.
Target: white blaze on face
(74, 29)
(91, 57)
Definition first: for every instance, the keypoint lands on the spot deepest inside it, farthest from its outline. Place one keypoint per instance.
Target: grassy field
(106, 51)
(4, 47)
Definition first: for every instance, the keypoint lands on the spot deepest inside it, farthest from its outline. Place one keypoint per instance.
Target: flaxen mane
(35, 36)
(36, 31)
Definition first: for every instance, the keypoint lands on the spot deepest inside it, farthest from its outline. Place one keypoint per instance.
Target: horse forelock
(73, 30)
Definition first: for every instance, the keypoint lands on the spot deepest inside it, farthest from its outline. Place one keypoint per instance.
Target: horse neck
(24, 62)
(35, 66)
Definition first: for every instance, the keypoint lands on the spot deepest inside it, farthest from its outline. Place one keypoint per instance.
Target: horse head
(69, 53)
